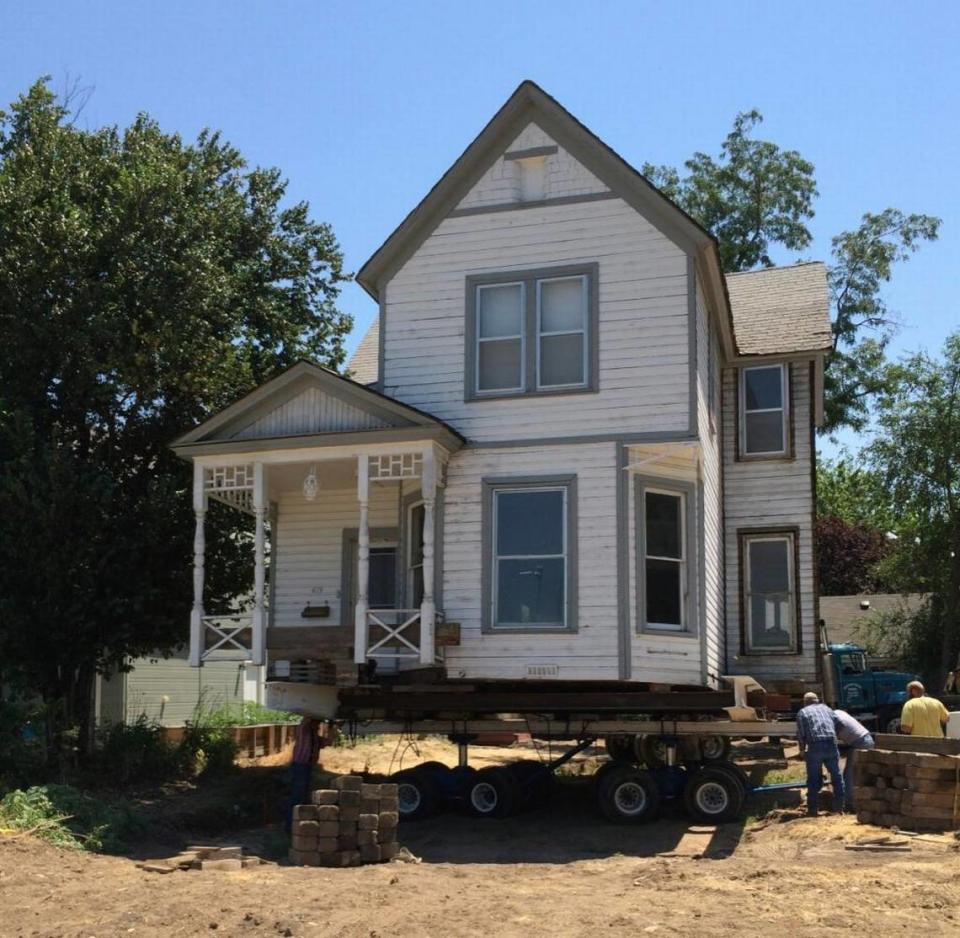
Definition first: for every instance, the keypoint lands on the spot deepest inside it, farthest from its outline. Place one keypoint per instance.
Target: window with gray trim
(665, 573)
(531, 332)
(763, 411)
(529, 562)
(769, 592)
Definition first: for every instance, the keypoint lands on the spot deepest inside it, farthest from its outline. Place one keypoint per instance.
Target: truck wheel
(628, 795)
(493, 793)
(417, 792)
(533, 780)
(715, 748)
(713, 795)
(735, 772)
(888, 720)
(652, 751)
(620, 748)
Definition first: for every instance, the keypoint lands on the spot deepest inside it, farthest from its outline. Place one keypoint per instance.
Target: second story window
(531, 332)
(764, 417)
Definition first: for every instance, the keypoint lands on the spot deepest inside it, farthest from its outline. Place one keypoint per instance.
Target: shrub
(66, 817)
(248, 713)
(22, 750)
(135, 752)
(206, 750)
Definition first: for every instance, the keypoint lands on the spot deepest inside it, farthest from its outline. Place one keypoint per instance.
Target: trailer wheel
(493, 792)
(417, 792)
(715, 748)
(652, 751)
(629, 795)
(534, 781)
(713, 795)
(621, 748)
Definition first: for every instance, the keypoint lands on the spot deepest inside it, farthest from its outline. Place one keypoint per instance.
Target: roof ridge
(764, 270)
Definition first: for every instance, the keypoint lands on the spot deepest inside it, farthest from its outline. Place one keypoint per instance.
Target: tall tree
(755, 196)
(145, 282)
(918, 454)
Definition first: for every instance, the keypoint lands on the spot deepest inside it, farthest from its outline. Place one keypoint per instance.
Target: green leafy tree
(145, 283)
(854, 493)
(755, 196)
(752, 196)
(917, 453)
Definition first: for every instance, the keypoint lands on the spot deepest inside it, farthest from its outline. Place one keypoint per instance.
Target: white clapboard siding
(643, 321)
(309, 546)
(708, 422)
(675, 658)
(311, 411)
(500, 184)
(591, 652)
(769, 493)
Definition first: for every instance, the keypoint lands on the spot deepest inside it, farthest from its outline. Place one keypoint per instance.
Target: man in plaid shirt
(817, 735)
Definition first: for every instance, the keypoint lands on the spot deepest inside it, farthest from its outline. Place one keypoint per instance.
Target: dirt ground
(559, 870)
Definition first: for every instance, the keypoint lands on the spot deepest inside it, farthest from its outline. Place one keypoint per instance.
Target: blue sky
(363, 105)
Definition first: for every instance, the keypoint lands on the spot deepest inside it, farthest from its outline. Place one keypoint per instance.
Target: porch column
(199, 549)
(428, 609)
(258, 642)
(363, 562)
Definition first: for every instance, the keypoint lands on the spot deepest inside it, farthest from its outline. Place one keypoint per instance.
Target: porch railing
(394, 634)
(228, 633)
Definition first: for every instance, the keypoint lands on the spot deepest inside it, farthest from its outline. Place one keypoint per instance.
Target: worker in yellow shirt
(922, 716)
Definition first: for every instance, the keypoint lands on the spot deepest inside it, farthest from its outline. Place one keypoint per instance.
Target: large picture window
(764, 411)
(769, 592)
(664, 548)
(529, 534)
(532, 332)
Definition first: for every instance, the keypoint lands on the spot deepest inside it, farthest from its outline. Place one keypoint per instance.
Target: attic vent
(543, 670)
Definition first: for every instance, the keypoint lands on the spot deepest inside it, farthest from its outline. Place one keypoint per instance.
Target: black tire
(713, 795)
(651, 752)
(735, 772)
(621, 748)
(715, 748)
(888, 720)
(628, 795)
(418, 793)
(534, 782)
(493, 793)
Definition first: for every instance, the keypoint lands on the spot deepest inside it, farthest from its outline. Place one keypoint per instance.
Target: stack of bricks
(910, 790)
(348, 825)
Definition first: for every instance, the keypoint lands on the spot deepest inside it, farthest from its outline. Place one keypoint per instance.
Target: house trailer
(570, 448)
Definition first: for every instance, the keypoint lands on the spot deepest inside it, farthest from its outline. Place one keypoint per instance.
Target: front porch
(346, 528)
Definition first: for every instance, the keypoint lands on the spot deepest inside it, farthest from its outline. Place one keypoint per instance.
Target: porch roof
(310, 406)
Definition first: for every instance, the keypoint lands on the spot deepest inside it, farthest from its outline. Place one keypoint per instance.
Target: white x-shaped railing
(393, 634)
(226, 630)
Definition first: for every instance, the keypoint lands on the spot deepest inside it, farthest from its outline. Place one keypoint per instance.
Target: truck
(852, 684)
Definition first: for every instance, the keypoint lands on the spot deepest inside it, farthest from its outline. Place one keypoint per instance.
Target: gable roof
(308, 400)
(364, 363)
(781, 309)
(530, 103)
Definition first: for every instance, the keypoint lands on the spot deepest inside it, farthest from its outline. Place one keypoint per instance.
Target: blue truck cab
(853, 685)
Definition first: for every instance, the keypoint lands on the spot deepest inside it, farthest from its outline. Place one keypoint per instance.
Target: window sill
(666, 633)
(773, 652)
(766, 457)
(527, 630)
(523, 395)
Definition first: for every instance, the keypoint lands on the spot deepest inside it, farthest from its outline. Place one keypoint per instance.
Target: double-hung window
(663, 556)
(764, 417)
(529, 534)
(532, 332)
(769, 591)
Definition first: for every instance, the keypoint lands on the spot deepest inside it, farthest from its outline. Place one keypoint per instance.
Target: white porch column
(428, 609)
(199, 549)
(360, 641)
(258, 643)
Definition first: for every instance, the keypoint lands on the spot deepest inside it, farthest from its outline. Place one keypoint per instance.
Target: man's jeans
(864, 742)
(823, 752)
(300, 777)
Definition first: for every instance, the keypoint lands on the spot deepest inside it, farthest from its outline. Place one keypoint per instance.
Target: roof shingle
(363, 364)
(781, 309)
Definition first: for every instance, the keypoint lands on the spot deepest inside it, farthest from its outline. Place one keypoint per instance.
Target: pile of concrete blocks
(911, 790)
(353, 823)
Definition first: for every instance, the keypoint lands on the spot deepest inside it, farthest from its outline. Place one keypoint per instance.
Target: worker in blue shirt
(817, 735)
(851, 735)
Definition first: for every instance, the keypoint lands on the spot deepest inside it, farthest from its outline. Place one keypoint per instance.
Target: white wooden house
(571, 447)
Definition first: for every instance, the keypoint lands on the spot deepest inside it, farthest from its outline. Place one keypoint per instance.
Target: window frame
(786, 426)
(689, 575)
(791, 535)
(530, 341)
(522, 336)
(584, 332)
(489, 557)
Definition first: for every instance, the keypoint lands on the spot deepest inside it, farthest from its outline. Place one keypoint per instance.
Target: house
(572, 449)
(170, 692)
